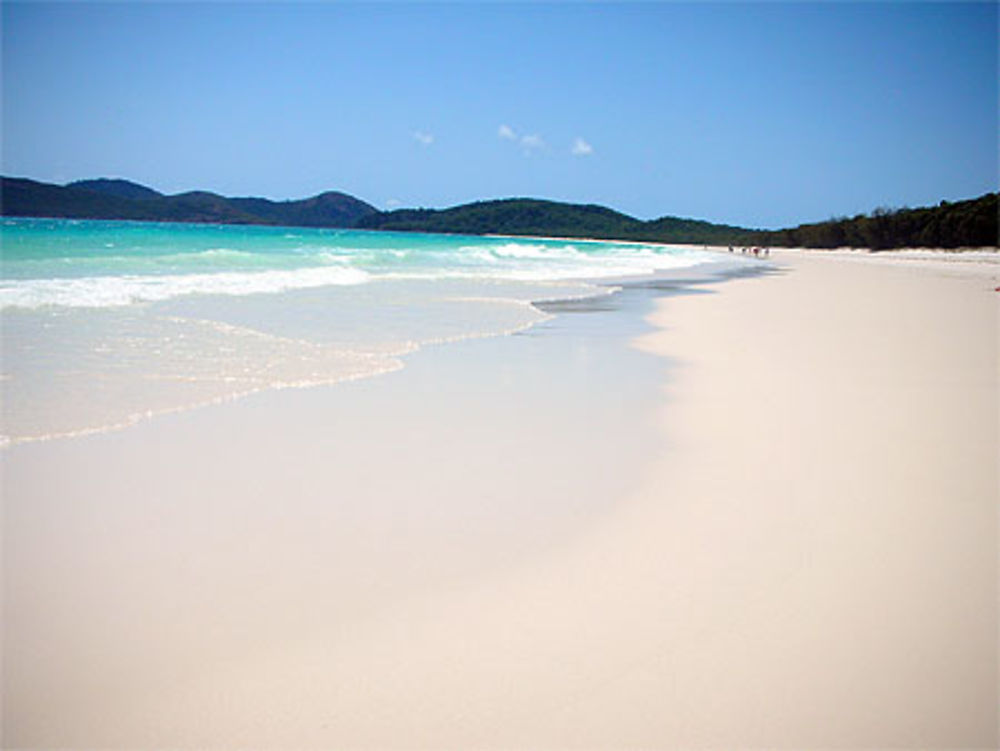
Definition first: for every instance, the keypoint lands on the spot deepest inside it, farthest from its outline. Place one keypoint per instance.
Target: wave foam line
(117, 291)
(391, 365)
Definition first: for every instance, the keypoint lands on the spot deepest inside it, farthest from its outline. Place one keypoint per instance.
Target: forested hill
(962, 224)
(121, 199)
(527, 216)
(972, 223)
(116, 187)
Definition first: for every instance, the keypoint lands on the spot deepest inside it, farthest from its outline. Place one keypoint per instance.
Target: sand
(801, 551)
(830, 484)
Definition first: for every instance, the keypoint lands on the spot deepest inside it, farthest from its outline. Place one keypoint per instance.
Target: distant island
(122, 199)
(960, 224)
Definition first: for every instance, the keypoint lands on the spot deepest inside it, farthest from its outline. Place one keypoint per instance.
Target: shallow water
(109, 323)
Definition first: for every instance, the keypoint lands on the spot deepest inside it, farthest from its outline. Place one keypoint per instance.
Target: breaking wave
(113, 291)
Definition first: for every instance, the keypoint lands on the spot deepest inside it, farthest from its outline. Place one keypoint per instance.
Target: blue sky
(758, 114)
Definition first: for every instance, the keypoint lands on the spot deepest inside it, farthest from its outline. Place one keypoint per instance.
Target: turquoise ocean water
(106, 323)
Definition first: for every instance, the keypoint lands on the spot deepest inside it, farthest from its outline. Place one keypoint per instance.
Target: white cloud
(529, 143)
(532, 142)
(393, 203)
(424, 139)
(581, 148)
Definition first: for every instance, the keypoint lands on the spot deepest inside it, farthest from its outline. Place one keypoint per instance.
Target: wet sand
(770, 522)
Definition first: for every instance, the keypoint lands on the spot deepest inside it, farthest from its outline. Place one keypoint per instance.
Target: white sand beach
(795, 547)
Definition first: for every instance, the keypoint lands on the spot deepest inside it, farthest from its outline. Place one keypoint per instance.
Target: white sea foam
(528, 250)
(112, 291)
(522, 262)
(537, 263)
(214, 254)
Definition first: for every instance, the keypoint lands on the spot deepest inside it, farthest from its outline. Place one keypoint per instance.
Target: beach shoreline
(770, 521)
(137, 321)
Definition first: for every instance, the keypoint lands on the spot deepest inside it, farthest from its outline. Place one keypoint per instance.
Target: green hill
(19, 197)
(330, 209)
(971, 223)
(122, 199)
(512, 216)
(528, 216)
(116, 187)
(671, 229)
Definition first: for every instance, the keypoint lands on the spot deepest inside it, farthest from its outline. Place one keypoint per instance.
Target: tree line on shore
(961, 224)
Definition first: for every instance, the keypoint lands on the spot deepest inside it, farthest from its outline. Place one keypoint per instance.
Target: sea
(107, 323)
